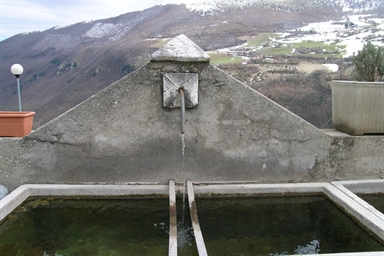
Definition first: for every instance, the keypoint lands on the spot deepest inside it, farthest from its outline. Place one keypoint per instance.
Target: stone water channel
(220, 214)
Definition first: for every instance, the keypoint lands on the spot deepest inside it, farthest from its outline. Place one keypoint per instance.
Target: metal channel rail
(195, 221)
(172, 220)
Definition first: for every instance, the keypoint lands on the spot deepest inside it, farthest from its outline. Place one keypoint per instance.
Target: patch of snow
(352, 46)
(245, 60)
(332, 67)
(348, 39)
(231, 49)
(211, 7)
(330, 32)
(322, 27)
(107, 30)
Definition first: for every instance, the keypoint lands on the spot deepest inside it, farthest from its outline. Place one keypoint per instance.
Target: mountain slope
(345, 6)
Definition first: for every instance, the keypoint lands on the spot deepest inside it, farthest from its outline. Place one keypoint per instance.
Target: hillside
(65, 65)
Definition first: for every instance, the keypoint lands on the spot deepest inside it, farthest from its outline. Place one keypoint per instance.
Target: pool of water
(268, 225)
(376, 200)
(87, 227)
(279, 226)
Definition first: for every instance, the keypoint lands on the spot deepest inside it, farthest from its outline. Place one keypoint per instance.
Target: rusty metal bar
(195, 221)
(172, 220)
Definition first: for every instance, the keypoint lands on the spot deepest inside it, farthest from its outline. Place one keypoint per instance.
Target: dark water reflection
(376, 200)
(87, 227)
(280, 226)
(230, 226)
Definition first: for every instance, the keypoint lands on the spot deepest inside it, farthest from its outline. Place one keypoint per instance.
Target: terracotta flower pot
(16, 124)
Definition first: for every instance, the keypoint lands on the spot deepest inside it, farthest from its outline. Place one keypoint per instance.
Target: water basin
(87, 227)
(376, 200)
(283, 225)
(246, 219)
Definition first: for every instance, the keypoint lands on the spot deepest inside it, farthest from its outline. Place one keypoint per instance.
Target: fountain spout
(182, 107)
(180, 90)
(173, 82)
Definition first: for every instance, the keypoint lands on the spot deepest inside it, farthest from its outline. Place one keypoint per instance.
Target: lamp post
(17, 70)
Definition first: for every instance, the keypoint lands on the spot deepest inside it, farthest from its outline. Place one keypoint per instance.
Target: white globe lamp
(17, 70)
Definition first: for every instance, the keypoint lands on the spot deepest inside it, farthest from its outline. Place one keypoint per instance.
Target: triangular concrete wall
(124, 134)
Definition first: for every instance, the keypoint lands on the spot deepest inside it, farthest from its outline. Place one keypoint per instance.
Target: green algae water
(376, 200)
(279, 226)
(267, 226)
(87, 227)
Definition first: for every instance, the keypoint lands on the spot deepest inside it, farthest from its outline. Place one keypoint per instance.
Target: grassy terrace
(272, 44)
(223, 58)
(324, 49)
(260, 39)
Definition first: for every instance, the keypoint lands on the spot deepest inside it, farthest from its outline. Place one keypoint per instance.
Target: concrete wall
(123, 134)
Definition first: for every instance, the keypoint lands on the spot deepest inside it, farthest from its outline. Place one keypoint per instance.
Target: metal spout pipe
(182, 100)
(18, 93)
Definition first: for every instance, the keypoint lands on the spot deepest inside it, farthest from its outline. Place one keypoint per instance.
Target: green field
(260, 39)
(282, 50)
(266, 42)
(223, 58)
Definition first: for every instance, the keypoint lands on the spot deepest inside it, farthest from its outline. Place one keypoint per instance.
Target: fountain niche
(232, 152)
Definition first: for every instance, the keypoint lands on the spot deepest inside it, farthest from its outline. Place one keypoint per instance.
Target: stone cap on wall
(180, 49)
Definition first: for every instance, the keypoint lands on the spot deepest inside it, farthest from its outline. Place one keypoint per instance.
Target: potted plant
(12, 123)
(358, 106)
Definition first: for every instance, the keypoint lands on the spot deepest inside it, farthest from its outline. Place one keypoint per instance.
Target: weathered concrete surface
(181, 49)
(357, 107)
(123, 134)
(351, 188)
(173, 82)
